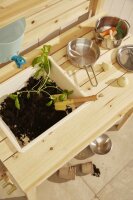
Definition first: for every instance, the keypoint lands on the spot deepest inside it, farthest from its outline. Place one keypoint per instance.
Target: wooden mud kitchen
(103, 88)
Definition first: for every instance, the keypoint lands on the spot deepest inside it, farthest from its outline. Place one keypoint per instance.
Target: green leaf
(63, 97)
(36, 60)
(46, 49)
(49, 103)
(120, 32)
(13, 96)
(17, 104)
(68, 92)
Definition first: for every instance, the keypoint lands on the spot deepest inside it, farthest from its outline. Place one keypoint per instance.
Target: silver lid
(125, 57)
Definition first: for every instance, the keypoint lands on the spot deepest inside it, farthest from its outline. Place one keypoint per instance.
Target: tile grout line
(115, 176)
(88, 185)
(107, 182)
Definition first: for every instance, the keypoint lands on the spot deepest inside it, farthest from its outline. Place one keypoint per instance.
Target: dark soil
(34, 116)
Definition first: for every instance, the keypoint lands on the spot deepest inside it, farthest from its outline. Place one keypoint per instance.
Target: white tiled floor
(120, 187)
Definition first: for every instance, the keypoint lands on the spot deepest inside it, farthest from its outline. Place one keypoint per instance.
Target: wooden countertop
(37, 164)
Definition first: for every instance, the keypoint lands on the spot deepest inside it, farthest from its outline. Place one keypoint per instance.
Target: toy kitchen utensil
(74, 102)
(10, 41)
(83, 53)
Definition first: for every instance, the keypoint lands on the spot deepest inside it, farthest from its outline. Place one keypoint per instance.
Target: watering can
(10, 41)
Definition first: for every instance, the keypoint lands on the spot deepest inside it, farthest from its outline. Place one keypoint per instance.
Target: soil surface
(34, 116)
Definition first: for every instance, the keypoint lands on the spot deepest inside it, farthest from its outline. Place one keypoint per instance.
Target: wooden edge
(124, 120)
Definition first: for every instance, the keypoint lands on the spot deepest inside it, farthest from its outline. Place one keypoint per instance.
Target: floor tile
(121, 186)
(16, 194)
(111, 163)
(71, 190)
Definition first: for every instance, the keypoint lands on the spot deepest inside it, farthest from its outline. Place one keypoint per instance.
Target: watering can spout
(19, 60)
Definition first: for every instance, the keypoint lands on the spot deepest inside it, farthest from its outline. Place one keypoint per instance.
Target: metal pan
(125, 57)
(83, 53)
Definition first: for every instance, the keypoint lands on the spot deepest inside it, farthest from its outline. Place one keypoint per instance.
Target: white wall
(120, 8)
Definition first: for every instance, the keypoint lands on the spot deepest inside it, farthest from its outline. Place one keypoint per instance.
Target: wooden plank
(57, 43)
(125, 119)
(6, 149)
(5, 3)
(43, 31)
(51, 13)
(99, 7)
(22, 8)
(42, 161)
(2, 135)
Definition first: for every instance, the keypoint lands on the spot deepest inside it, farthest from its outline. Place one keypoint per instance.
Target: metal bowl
(101, 145)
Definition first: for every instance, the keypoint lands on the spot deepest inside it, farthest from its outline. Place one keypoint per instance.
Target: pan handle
(86, 68)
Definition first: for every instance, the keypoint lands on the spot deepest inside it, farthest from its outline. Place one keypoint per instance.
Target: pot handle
(74, 53)
(96, 82)
(127, 23)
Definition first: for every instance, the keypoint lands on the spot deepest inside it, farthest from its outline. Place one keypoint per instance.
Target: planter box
(18, 81)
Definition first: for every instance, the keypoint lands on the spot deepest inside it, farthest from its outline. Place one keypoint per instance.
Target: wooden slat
(51, 13)
(43, 31)
(6, 149)
(5, 3)
(124, 119)
(2, 135)
(57, 43)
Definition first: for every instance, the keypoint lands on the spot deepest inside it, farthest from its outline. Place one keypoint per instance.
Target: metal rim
(118, 57)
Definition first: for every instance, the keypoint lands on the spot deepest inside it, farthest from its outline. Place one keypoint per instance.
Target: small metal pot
(83, 53)
(105, 23)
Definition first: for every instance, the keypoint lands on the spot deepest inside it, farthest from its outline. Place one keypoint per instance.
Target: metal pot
(105, 23)
(83, 53)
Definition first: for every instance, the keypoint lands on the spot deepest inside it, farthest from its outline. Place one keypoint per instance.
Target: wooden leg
(31, 194)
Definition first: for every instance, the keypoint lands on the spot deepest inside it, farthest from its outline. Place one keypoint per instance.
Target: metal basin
(101, 145)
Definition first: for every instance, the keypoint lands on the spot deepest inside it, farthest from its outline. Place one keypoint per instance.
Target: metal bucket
(10, 40)
(107, 22)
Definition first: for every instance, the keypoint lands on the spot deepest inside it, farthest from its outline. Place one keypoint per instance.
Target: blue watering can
(10, 41)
